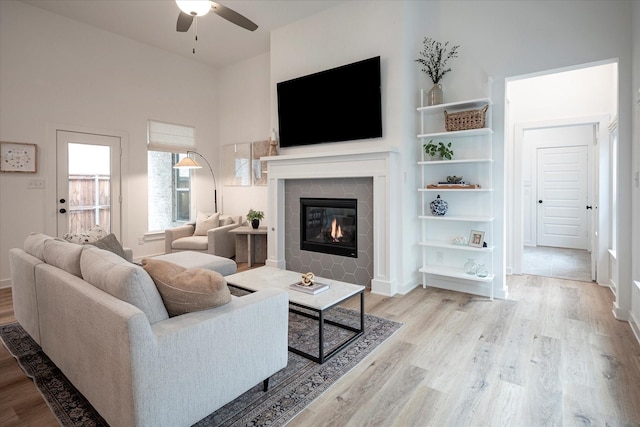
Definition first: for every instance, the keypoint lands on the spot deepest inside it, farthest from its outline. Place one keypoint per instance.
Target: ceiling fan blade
(233, 16)
(184, 22)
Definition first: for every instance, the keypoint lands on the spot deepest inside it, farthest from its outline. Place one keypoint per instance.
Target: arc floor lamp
(190, 163)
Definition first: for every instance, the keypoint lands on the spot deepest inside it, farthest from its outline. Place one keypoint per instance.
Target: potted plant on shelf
(434, 63)
(254, 217)
(439, 151)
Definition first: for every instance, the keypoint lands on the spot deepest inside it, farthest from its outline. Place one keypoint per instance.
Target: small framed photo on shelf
(18, 157)
(476, 239)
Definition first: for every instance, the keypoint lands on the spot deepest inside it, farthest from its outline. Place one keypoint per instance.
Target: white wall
(635, 89)
(498, 39)
(55, 71)
(244, 101)
(345, 34)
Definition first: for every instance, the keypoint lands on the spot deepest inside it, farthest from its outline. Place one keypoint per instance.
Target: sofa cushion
(64, 255)
(205, 223)
(186, 290)
(34, 245)
(94, 234)
(128, 282)
(110, 243)
(191, 243)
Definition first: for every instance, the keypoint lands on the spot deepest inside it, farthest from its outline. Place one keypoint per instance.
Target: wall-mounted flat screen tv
(340, 104)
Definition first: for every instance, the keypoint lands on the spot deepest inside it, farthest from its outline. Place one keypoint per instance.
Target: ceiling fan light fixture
(194, 7)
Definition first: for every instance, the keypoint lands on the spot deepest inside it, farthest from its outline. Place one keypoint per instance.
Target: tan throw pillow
(204, 223)
(186, 290)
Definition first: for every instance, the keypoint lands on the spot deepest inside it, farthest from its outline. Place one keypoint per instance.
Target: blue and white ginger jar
(439, 207)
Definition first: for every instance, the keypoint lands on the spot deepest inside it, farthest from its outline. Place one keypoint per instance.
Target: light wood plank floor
(551, 355)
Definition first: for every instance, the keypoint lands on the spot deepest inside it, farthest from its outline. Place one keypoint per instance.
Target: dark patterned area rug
(290, 390)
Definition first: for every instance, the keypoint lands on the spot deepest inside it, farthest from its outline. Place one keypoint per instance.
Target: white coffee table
(338, 292)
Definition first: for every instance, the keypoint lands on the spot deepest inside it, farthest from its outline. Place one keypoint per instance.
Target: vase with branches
(434, 58)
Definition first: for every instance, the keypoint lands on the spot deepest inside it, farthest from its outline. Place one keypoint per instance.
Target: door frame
(51, 212)
(600, 189)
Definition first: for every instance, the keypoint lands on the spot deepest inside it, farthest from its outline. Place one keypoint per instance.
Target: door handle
(540, 201)
(63, 210)
(589, 207)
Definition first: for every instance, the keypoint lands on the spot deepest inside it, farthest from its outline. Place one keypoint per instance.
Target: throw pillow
(185, 290)
(110, 243)
(96, 233)
(227, 221)
(205, 223)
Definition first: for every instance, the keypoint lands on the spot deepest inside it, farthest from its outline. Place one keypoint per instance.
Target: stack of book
(316, 288)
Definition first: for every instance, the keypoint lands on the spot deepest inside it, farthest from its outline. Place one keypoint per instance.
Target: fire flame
(336, 231)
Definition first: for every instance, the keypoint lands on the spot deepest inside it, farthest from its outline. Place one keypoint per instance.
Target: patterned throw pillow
(93, 235)
(110, 243)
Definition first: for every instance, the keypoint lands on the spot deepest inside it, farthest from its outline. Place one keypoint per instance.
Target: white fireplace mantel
(381, 165)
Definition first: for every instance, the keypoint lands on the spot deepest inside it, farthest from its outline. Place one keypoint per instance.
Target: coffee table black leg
(321, 337)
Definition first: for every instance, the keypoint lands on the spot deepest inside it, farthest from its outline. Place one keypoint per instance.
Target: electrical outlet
(439, 257)
(140, 240)
(35, 183)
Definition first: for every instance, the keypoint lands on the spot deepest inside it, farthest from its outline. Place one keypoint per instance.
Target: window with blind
(169, 189)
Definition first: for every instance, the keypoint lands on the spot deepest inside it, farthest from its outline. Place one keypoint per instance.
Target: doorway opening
(556, 133)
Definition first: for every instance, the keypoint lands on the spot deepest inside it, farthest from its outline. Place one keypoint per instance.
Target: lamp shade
(194, 7)
(187, 163)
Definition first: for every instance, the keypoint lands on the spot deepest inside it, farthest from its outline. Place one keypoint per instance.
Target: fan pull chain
(195, 31)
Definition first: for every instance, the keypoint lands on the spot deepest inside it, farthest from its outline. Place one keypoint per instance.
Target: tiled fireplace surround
(371, 174)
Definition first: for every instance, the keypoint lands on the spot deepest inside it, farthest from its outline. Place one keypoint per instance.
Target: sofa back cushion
(64, 255)
(34, 245)
(128, 282)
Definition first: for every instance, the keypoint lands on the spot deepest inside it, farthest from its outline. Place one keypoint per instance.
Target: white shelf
(457, 133)
(447, 245)
(461, 105)
(476, 164)
(455, 190)
(453, 162)
(457, 273)
(458, 218)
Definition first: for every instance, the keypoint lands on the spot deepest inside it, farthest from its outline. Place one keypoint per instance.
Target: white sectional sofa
(102, 321)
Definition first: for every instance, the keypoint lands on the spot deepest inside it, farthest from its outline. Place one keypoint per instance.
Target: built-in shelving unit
(468, 208)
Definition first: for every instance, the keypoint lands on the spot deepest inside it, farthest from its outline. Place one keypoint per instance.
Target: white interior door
(88, 182)
(562, 197)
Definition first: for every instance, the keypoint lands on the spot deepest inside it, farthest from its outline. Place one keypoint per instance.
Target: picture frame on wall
(476, 239)
(258, 167)
(18, 157)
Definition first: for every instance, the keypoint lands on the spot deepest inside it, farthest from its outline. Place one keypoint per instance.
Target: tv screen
(340, 104)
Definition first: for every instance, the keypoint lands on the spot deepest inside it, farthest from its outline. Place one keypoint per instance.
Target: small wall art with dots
(18, 157)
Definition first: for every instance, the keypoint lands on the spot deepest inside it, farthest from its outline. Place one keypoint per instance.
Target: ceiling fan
(191, 9)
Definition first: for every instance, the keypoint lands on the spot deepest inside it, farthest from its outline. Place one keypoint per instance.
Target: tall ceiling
(220, 43)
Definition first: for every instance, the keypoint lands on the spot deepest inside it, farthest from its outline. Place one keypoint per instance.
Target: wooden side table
(251, 244)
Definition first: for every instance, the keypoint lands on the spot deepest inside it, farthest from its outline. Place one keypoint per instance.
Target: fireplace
(329, 226)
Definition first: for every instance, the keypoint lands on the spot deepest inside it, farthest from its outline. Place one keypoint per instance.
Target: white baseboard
(635, 327)
(5, 283)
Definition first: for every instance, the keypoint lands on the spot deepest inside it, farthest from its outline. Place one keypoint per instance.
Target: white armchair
(218, 241)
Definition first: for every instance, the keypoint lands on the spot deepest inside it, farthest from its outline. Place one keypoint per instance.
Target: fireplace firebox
(329, 226)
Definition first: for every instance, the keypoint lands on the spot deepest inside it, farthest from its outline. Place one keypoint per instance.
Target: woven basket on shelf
(463, 120)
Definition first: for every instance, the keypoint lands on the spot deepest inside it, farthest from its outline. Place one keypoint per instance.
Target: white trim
(381, 166)
(51, 135)
(517, 230)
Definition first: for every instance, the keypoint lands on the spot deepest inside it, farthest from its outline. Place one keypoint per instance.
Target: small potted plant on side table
(254, 218)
